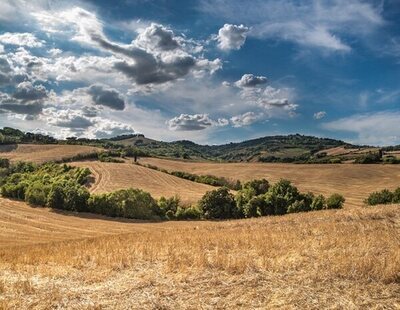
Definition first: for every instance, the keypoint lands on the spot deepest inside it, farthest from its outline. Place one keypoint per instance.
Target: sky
(210, 71)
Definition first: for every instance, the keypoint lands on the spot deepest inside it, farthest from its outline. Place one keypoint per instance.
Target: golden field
(110, 177)
(332, 259)
(335, 259)
(353, 181)
(40, 153)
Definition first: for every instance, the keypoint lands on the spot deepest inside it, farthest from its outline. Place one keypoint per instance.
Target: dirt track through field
(353, 181)
(114, 176)
(42, 153)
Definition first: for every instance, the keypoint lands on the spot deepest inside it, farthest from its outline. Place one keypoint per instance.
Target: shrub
(281, 195)
(169, 206)
(318, 203)
(218, 204)
(36, 194)
(383, 197)
(335, 201)
(396, 195)
(254, 207)
(190, 213)
(260, 186)
(129, 203)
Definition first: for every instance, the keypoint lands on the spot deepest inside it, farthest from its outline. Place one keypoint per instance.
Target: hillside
(326, 259)
(40, 153)
(355, 182)
(291, 148)
(112, 176)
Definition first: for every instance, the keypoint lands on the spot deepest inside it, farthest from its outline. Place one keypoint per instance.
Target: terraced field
(42, 153)
(112, 176)
(353, 181)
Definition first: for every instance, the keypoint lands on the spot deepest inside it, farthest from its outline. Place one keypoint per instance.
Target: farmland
(112, 176)
(332, 259)
(40, 153)
(352, 181)
(344, 258)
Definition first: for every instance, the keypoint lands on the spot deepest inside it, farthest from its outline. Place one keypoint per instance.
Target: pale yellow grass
(335, 259)
(353, 181)
(42, 153)
(114, 176)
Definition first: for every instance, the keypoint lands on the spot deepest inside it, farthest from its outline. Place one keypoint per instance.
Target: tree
(335, 201)
(260, 186)
(218, 204)
(318, 203)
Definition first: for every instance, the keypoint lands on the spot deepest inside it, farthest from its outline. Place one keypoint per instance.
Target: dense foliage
(257, 198)
(383, 197)
(52, 185)
(60, 186)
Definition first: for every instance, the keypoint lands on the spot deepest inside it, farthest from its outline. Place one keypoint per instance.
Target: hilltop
(293, 148)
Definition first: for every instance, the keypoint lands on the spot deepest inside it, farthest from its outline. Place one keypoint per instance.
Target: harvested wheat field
(342, 259)
(38, 153)
(353, 181)
(114, 176)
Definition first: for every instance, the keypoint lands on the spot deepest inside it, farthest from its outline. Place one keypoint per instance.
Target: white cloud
(186, 122)
(380, 128)
(21, 39)
(245, 119)
(1, 49)
(250, 80)
(319, 115)
(317, 24)
(232, 37)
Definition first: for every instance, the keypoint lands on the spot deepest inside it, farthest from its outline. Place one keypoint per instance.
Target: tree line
(60, 186)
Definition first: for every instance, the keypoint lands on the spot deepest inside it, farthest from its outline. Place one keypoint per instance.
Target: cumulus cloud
(26, 91)
(105, 96)
(74, 119)
(317, 24)
(245, 119)
(232, 37)
(157, 37)
(187, 122)
(105, 128)
(20, 39)
(319, 115)
(250, 80)
(156, 56)
(379, 128)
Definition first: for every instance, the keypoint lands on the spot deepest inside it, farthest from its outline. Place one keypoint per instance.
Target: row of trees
(62, 187)
(258, 198)
(383, 197)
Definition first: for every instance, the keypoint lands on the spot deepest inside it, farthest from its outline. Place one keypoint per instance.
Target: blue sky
(209, 71)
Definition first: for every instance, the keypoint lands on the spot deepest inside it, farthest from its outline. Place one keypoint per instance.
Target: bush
(335, 201)
(218, 204)
(191, 213)
(281, 195)
(129, 203)
(318, 203)
(255, 207)
(36, 194)
(396, 195)
(260, 186)
(169, 206)
(383, 197)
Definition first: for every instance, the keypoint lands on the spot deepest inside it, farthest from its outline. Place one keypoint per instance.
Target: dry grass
(112, 176)
(353, 181)
(42, 153)
(343, 259)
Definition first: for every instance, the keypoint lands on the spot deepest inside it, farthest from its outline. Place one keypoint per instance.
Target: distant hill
(294, 148)
(290, 148)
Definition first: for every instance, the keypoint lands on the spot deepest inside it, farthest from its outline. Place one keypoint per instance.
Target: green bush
(255, 207)
(318, 203)
(190, 213)
(383, 197)
(260, 186)
(129, 203)
(396, 195)
(36, 193)
(169, 206)
(218, 204)
(335, 201)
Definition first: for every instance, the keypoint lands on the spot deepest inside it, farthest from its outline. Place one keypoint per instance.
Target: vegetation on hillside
(384, 196)
(62, 187)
